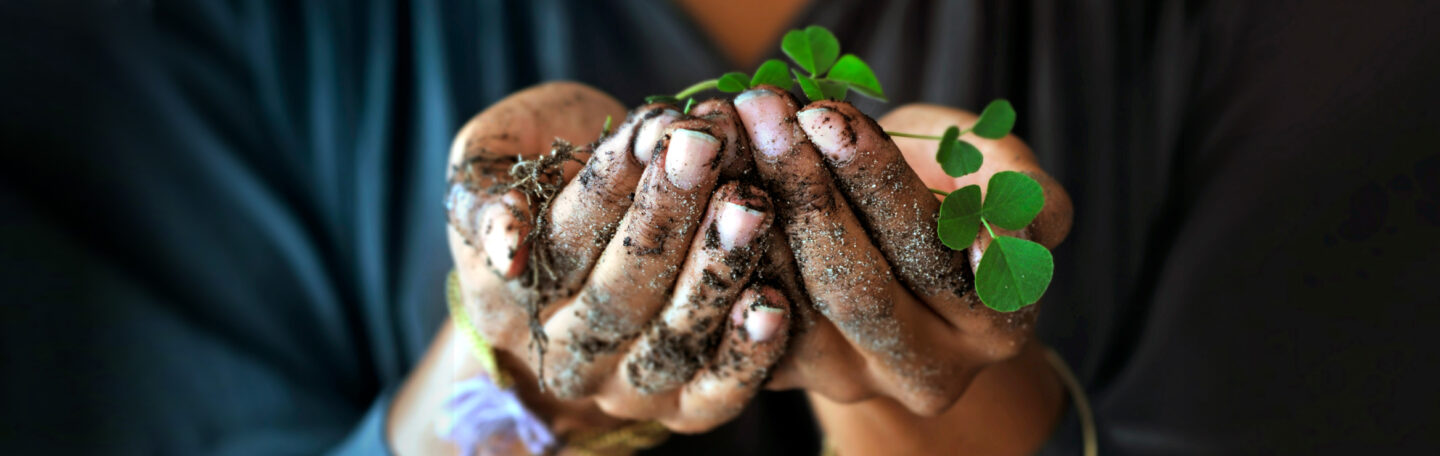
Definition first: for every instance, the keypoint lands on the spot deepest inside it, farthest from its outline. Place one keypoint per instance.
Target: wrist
(1011, 408)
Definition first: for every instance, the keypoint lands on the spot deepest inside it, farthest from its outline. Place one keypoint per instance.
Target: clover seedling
(1014, 272)
(817, 52)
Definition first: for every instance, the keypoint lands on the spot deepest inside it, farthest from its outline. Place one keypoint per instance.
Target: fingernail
(763, 114)
(749, 95)
(736, 225)
(650, 134)
(688, 159)
(501, 238)
(460, 203)
(826, 129)
(762, 322)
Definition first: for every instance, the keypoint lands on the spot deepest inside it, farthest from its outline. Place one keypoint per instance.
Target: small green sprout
(1013, 272)
(817, 52)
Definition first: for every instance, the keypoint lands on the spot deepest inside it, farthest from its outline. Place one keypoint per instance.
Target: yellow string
(478, 344)
(623, 441)
(1088, 437)
(626, 440)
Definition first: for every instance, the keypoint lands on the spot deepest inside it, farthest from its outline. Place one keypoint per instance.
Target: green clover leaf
(1014, 273)
(1012, 200)
(833, 90)
(809, 86)
(773, 72)
(957, 157)
(959, 218)
(814, 48)
(853, 71)
(821, 89)
(733, 82)
(995, 121)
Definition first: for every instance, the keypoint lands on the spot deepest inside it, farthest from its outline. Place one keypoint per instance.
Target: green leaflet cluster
(816, 51)
(1013, 272)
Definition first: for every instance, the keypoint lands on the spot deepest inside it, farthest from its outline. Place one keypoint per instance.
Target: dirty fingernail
(762, 322)
(763, 114)
(650, 134)
(827, 131)
(751, 95)
(736, 225)
(501, 238)
(688, 160)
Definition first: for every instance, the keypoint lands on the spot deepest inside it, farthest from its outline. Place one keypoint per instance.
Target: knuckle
(567, 379)
(570, 370)
(599, 180)
(806, 196)
(624, 408)
(931, 404)
(938, 391)
(649, 235)
(883, 190)
(689, 425)
(999, 336)
(862, 310)
(659, 363)
(856, 306)
(846, 391)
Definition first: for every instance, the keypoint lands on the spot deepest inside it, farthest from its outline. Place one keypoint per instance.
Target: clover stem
(939, 192)
(987, 228)
(912, 135)
(697, 88)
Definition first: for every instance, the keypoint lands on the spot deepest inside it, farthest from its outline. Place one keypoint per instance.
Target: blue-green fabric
(223, 234)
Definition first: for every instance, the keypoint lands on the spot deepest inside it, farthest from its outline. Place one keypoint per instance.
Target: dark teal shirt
(223, 234)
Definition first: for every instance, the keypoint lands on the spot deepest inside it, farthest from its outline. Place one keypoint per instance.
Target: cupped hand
(637, 273)
(899, 316)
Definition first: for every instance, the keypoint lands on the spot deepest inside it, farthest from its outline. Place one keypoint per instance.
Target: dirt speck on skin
(672, 357)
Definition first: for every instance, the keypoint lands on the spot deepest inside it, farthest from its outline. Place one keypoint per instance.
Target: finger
(720, 263)
(753, 342)
(496, 227)
(582, 218)
(846, 277)
(525, 123)
(480, 205)
(893, 203)
(640, 263)
(735, 159)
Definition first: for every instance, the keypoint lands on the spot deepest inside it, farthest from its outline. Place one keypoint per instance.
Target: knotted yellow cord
(626, 440)
(478, 344)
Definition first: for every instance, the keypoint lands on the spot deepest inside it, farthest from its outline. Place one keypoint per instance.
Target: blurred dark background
(222, 227)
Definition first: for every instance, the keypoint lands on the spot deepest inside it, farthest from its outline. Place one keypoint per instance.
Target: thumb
(525, 123)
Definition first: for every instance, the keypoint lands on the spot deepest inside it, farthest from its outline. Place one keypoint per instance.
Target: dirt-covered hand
(901, 319)
(631, 271)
